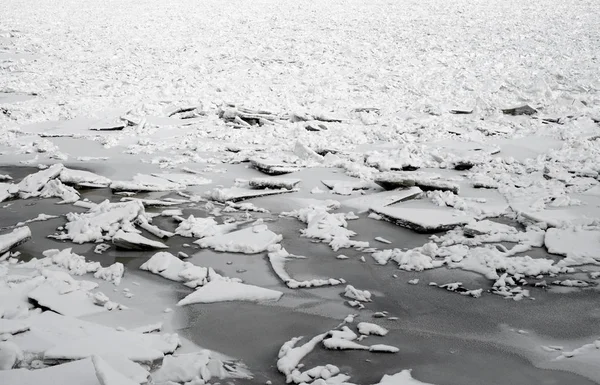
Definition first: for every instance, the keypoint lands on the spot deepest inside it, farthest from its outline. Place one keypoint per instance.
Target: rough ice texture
(221, 290)
(14, 238)
(251, 240)
(423, 220)
(202, 227)
(273, 183)
(290, 355)
(56, 189)
(33, 183)
(359, 295)
(101, 222)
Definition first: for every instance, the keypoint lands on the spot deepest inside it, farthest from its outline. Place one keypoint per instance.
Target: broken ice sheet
(81, 372)
(251, 240)
(237, 194)
(346, 187)
(273, 183)
(202, 227)
(7, 191)
(424, 220)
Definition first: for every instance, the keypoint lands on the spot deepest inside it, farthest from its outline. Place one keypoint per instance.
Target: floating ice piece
(381, 199)
(419, 258)
(107, 375)
(81, 372)
(8, 190)
(251, 240)
(359, 295)
(39, 218)
(342, 344)
(382, 240)
(203, 227)
(304, 152)
(220, 290)
(236, 194)
(488, 227)
(135, 241)
(381, 348)
(166, 265)
(578, 245)
(273, 183)
(424, 220)
(143, 182)
(150, 202)
(273, 167)
(101, 222)
(33, 183)
(113, 273)
(83, 178)
(290, 355)
(184, 179)
(368, 328)
(55, 188)
(346, 333)
(5, 177)
(205, 365)
(278, 256)
(13, 239)
(425, 180)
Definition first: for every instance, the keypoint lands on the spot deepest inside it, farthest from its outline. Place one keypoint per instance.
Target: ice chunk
(424, 220)
(101, 222)
(33, 183)
(359, 295)
(345, 187)
(237, 194)
(55, 188)
(381, 199)
(134, 241)
(580, 246)
(14, 238)
(425, 180)
(83, 178)
(488, 227)
(273, 167)
(342, 344)
(370, 328)
(165, 264)
(7, 191)
(290, 355)
(380, 348)
(273, 183)
(250, 240)
(220, 290)
(113, 273)
(203, 227)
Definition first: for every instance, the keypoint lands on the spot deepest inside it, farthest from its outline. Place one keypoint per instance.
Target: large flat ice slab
(220, 290)
(424, 220)
(427, 181)
(143, 182)
(82, 372)
(135, 241)
(237, 194)
(83, 178)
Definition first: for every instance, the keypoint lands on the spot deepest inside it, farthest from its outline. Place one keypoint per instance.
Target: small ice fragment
(414, 281)
(382, 240)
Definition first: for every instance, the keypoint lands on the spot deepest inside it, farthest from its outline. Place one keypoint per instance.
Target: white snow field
(326, 193)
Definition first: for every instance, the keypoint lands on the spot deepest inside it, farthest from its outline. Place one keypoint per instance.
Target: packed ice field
(327, 193)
